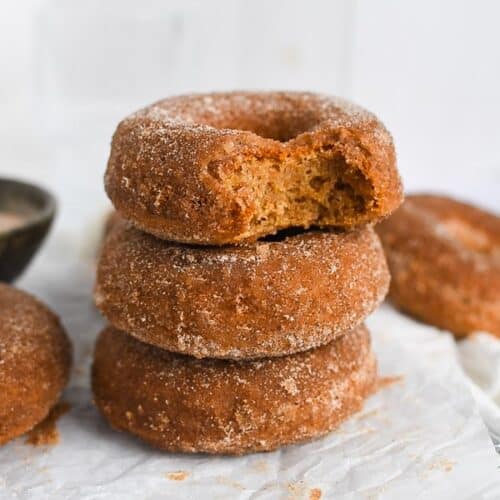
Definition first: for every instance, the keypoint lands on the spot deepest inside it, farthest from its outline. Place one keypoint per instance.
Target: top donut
(232, 167)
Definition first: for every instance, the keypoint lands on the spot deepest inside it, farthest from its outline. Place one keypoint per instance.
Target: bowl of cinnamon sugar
(26, 215)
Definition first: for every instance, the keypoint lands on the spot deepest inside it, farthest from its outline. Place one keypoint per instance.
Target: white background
(70, 70)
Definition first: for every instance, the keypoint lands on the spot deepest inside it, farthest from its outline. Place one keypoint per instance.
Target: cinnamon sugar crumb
(229, 482)
(296, 490)
(179, 475)
(315, 494)
(368, 414)
(46, 433)
(443, 464)
(384, 382)
(260, 466)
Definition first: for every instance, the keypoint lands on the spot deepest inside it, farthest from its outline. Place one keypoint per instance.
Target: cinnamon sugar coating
(230, 167)
(35, 359)
(266, 299)
(179, 403)
(444, 258)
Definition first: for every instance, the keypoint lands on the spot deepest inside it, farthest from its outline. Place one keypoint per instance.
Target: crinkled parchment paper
(419, 437)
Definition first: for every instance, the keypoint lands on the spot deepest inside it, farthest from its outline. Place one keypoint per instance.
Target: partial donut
(444, 257)
(178, 403)
(229, 167)
(275, 297)
(35, 359)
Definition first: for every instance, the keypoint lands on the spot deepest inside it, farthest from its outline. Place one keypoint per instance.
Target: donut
(231, 167)
(181, 404)
(35, 359)
(444, 257)
(274, 297)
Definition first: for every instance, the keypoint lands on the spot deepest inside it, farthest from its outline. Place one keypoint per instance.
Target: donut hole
(281, 125)
(278, 129)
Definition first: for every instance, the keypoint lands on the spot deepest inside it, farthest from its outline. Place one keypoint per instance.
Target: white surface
(421, 436)
(480, 356)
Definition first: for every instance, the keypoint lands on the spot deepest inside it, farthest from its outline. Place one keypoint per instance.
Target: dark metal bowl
(37, 208)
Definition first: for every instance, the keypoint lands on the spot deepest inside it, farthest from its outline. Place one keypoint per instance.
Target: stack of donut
(240, 268)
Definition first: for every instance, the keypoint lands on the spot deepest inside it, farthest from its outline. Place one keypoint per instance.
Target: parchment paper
(420, 437)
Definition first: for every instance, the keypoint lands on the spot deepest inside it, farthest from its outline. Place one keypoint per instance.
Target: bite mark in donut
(316, 189)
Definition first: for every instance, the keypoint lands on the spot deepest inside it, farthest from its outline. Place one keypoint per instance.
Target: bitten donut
(444, 257)
(267, 299)
(229, 167)
(35, 359)
(179, 403)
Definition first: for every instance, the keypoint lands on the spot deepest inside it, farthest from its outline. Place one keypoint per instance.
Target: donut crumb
(384, 382)
(45, 433)
(178, 475)
(315, 494)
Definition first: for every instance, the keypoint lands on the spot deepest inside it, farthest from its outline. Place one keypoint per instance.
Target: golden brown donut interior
(319, 189)
(304, 187)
